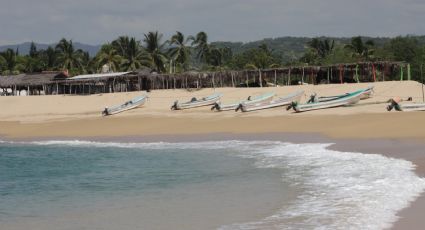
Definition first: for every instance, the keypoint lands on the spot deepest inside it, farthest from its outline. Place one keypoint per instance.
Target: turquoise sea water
(205, 185)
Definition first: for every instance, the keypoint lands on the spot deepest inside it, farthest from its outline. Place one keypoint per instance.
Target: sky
(99, 21)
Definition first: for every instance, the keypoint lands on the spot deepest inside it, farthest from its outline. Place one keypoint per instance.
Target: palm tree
(49, 58)
(108, 55)
(2, 63)
(179, 51)
(154, 48)
(70, 58)
(33, 51)
(121, 45)
(322, 47)
(131, 52)
(361, 50)
(219, 56)
(200, 43)
(9, 57)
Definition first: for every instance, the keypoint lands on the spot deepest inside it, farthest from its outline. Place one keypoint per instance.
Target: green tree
(29, 64)
(257, 58)
(179, 51)
(363, 51)
(2, 64)
(200, 43)
(33, 53)
(48, 58)
(108, 55)
(219, 57)
(154, 49)
(404, 48)
(131, 52)
(322, 48)
(10, 60)
(69, 58)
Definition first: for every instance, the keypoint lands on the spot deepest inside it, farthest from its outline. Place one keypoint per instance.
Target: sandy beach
(366, 127)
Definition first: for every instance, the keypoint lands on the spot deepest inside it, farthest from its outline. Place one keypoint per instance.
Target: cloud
(95, 22)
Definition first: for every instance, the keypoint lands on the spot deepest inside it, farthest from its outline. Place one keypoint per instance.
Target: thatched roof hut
(34, 79)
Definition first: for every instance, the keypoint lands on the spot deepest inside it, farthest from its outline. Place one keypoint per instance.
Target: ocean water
(202, 185)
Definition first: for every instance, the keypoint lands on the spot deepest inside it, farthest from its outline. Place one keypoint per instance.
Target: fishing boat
(395, 104)
(250, 100)
(366, 94)
(132, 104)
(348, 99)
(194, 102)
(281, 101)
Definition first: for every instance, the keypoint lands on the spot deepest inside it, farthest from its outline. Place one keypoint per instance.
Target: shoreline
(366, 127)
(411, 150)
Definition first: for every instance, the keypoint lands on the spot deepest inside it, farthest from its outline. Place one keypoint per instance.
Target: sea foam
(337, 190)
(340, 190)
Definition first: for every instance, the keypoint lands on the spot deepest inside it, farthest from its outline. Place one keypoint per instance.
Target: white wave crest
(341, 190)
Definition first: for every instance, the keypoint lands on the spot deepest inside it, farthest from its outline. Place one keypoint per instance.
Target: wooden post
(213, 80)
(233, 81)
(374, 72)
(139, 82)
(247, 79)
(275, 78)
(313, 80)
(384, 68)
(408, 72)
(163, 83)
(328, 76)
(422, 84)
(261, 78)
(302, 78)
(340, 74)
(289, 76)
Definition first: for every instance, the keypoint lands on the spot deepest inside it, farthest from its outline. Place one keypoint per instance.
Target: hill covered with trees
(181, 53)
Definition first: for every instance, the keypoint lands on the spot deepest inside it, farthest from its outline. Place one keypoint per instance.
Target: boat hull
(366, 94)
(132, 104)
(227, 107)
(211, 100)
(283, 101)
(347, 100)
(405, 107)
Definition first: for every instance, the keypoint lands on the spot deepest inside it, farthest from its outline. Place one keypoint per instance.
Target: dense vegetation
(184, 53)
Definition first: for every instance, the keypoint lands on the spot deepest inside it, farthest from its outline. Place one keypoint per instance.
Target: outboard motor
(105, 112)
(313, 98)
(174, 106)
(216, 106)
(393, 104)
(292, 105)
(239, 107)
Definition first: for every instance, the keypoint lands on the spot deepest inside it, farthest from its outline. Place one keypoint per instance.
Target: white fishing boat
(250, 100)
(194, 102)
(366, 94)
(132, 104)
(396, 105)
(349, 99)
(281, 101)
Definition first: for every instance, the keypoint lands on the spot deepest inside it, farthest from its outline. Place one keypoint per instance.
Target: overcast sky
(99, 21)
